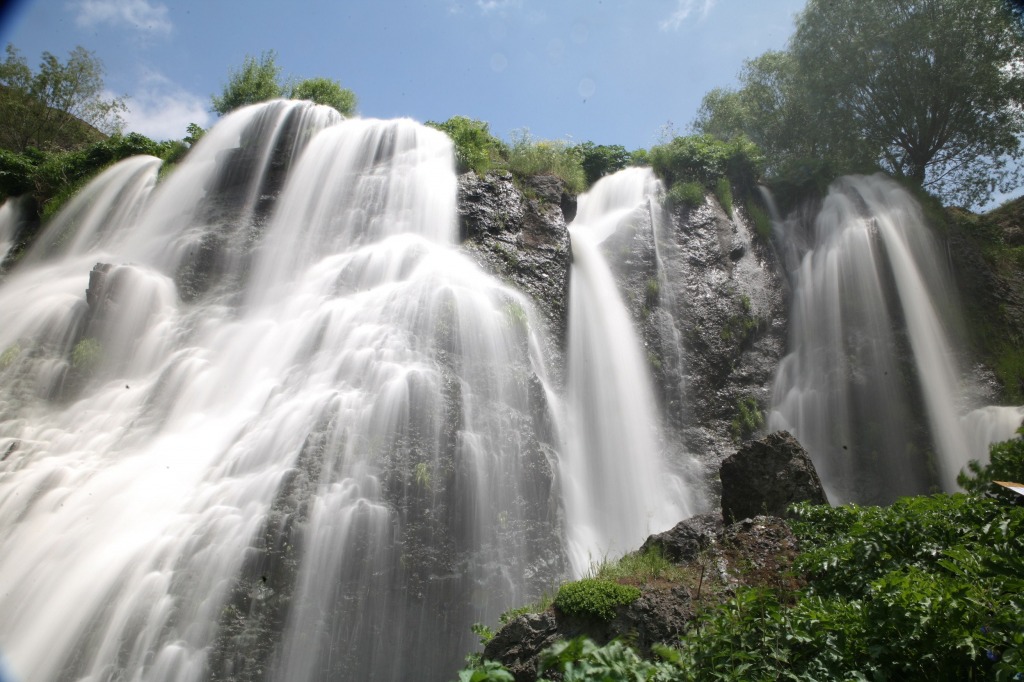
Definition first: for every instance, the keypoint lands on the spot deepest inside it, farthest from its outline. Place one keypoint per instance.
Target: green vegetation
(255, 81)
(327, 92)
(706, 159)
(637, 568)
(9, 355)
(762, 221)
(86, 354)
(61, 106)
(723, 192)
(930, 588)
(594, 598)
(1006, 463)
(528, 157)
(259, 80)
(599, 160)
(922, 89)
(53, 177)
(749, 418)
(689, 194)
(696, 165)
(475, 148)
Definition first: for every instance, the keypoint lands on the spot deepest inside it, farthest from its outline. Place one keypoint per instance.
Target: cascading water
(617, 487)
(10, 219)
(871, 382)
(263, 421)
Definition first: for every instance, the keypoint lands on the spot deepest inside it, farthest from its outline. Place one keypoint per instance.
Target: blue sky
(609, 72)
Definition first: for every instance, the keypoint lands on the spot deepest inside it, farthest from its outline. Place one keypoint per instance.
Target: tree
(925, 89)
(599, 160)
(60, 107)
(327, 92)
(256, 81)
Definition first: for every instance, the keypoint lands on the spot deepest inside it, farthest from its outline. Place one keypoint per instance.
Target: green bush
(16, 171)
(594, 598)
(690, 194)
(529, 157)
(327, 92)
(705, 158)
(475, 148)
(601, 160)
(1006, 463)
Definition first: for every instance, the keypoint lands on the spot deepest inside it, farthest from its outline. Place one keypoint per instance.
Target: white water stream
(618, 488)
(868, 295)
(291, 432)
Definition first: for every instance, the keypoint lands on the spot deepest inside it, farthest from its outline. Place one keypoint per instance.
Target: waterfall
(617, 487)
(10, 220)
(262, 420)
(871, 382)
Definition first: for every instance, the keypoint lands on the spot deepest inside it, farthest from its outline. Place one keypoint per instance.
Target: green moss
(9, 355)
(594, 598)
(86, 354)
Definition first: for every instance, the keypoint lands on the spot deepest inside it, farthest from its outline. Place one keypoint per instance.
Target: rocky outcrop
(756, 552)
(711, 558)
(730, 298)
(766, 476)
(519, 235)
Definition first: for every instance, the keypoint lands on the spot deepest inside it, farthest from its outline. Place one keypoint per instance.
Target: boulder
(766, 476)
(687, 539)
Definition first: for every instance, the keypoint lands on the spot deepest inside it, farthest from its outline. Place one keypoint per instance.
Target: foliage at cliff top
(926, 89)
(59, 106)
(259, 80)
(930, 588)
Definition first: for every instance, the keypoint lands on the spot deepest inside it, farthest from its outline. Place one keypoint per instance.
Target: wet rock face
(727, 294)
(520, 236)
(766, 476)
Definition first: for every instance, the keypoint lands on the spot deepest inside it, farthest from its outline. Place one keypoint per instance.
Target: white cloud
(161, 109)
(142, 15)
(683, 10)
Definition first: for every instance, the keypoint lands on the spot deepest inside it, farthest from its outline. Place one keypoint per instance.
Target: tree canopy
(259, 80)
(60, 106)
(924, 89)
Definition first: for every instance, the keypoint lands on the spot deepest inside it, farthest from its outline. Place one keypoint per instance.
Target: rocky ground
(709, 558)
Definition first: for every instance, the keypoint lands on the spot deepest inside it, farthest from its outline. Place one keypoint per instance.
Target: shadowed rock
(766, 476)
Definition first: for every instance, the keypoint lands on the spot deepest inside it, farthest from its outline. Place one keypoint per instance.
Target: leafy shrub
(16, 172)
(1006, 463)
(594, 598)
(475, 148)
(749, 418)
(327, 92)
(690, 194)
(705, 158)
(528, 157)
(601, 160)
